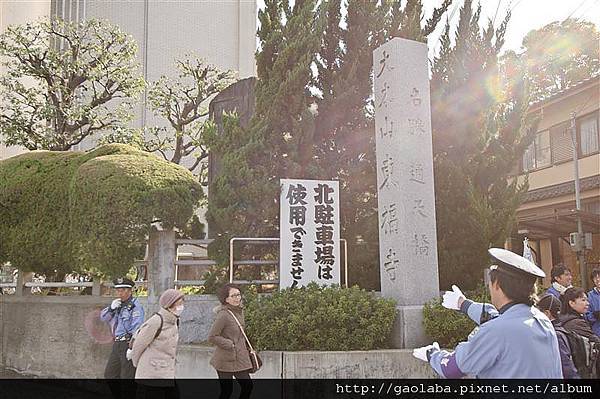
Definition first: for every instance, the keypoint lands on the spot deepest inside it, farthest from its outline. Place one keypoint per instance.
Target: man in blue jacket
(514, 339)
(561, 280)
(125, 315)
(593, 314)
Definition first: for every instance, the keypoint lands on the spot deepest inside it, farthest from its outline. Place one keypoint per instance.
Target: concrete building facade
(14, 12)
(222, 32)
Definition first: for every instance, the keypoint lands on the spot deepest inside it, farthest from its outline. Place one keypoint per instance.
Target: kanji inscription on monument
(407, 232)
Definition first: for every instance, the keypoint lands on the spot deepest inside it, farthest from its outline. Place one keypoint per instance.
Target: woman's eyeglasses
(238, 295)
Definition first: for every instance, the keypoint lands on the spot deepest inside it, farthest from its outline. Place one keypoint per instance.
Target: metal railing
(267, 241)
(203, 243)
(19, 282)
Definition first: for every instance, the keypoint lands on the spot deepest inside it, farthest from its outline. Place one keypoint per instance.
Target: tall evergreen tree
(345, 131)
(311, 57)
(480, 131)
(244, 197)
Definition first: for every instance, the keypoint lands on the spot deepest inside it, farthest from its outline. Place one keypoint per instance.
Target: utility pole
(579, 246)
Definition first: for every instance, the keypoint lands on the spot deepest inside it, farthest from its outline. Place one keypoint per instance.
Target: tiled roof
(572, 87)
(557, 190)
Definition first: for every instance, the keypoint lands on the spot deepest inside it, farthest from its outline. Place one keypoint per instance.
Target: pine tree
(244, 197)
(310, 57)
(345, 129)
(480, 131)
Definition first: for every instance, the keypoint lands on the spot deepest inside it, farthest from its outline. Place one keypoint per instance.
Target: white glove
(128, 354)
(421, 353)
(450, 299)
(115, 304)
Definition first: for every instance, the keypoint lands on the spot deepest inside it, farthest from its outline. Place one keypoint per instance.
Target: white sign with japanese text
(309, 230)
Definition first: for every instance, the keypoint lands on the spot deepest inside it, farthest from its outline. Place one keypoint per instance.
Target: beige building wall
(554, 115)
(582, 102)
(14, 12)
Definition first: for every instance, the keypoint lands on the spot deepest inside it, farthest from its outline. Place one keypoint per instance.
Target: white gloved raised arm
(115, 304)
(453, 299)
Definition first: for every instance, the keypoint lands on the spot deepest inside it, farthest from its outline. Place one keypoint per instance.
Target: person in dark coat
(550, 305)
(231, 357)
(574, 306)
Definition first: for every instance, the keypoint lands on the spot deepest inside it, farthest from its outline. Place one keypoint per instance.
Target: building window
(538, 154)
(588, 133)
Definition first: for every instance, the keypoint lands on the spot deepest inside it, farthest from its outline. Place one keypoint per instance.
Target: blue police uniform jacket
(519, 342)
(126, 319)
(594, 300)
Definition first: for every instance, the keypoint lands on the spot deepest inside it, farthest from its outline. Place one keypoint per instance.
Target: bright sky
(526, 15)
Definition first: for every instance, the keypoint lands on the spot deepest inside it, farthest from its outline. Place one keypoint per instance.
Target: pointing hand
(453, 299)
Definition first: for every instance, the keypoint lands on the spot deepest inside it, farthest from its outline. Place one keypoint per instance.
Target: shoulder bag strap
(242, 330)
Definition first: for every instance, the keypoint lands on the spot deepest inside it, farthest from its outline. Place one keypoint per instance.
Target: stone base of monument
(408, 331)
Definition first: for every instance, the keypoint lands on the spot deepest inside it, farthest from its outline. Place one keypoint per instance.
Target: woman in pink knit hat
(155, 346)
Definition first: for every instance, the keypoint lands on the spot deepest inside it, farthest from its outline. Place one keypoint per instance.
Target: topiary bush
(319, 318)
(88, 212)
(449, 327)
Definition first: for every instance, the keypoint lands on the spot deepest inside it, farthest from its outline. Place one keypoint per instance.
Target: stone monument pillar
(407, 231)
(162, 253)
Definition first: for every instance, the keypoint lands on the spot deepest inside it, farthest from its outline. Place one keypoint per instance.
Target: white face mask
(178, 310)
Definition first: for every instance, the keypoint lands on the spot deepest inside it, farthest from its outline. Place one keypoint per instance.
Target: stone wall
(62, 337)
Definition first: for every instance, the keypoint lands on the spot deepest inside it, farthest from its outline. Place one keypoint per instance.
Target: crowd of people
(146, 350)
(519, 336)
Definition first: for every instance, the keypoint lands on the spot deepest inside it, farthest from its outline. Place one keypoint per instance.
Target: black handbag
(254, 358)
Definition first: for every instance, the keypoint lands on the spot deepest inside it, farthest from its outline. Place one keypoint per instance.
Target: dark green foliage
(449, 327)
(318, 318)
(312, 125)
(88, 212)
(480, 131)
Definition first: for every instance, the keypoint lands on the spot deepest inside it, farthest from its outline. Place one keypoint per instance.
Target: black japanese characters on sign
(389, 219)
(295, 196)
(421, 244)
(415, 97)
(416, 172)
(383, 65)
(388, 129)
(387, 169)
(416, 126)
(324, 220)
(309, 233)
(390, 264)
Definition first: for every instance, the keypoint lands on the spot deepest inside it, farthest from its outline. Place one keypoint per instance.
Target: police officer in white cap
(125, 315)
(514, 339)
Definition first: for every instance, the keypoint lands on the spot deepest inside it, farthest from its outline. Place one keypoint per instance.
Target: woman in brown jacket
(231, 357)
(155, 347)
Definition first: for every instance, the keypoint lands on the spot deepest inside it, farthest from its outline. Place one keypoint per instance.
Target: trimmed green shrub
(88, 212)
(319, 318)
(449, 327)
